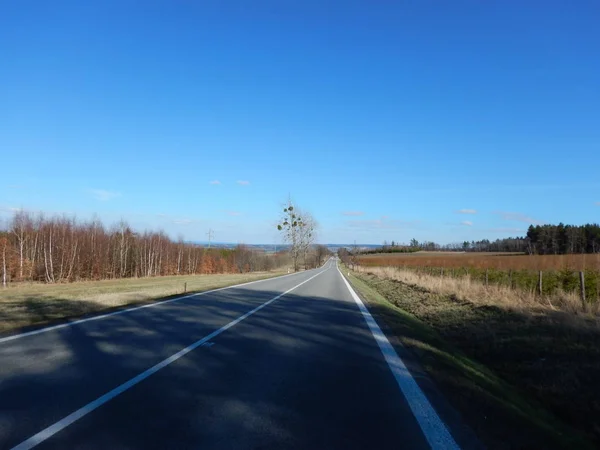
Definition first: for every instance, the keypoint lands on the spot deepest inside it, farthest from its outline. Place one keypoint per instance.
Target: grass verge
(477, 355)
(36, 304)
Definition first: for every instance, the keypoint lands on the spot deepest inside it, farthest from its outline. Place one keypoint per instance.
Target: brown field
(500, 261)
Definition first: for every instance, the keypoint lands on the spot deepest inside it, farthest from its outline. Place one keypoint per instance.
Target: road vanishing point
(292, 362)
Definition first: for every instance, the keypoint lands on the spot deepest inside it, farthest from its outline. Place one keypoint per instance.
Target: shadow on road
(304, 372)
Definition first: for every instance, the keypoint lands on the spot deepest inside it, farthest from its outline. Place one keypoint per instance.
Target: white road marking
(135, 308)
(50, 431)
(433, 428)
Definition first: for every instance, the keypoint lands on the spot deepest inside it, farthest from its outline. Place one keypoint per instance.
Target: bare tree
(321, 252)
(307, 235)
(354, 256)
(124, 234)
(243, 258)
(180, 247)
(19, 228)
(3, 245)
(297, 231)
(59, 249)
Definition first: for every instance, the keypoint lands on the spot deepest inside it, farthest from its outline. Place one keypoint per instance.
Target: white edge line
(432, 426)
(135, 308)
(48, 432)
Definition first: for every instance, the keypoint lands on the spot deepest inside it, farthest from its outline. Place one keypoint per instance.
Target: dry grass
(35, 303)
(501, 261)
(475, 291)
(549, 355)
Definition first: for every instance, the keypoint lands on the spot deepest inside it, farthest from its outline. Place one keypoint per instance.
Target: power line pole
(210, 235)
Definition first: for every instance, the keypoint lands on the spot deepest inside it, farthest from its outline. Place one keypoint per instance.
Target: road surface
(293, 362)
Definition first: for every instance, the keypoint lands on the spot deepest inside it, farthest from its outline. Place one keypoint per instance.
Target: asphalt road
(240, 368)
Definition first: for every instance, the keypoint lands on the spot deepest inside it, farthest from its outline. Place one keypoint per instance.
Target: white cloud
(234, 213)
(467, 211)
(518, 217)
(467, 223)
(353, 213)
(183, 221)
(104, 195)
(215, 182)
(243, 182)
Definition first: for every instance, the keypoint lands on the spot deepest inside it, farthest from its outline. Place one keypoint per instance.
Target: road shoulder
(461, 390)
(30, 313)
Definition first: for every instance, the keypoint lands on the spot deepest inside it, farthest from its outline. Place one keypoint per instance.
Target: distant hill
(267, 248)
(272, 248)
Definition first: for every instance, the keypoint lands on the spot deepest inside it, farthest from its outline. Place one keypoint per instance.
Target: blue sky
(436, 120)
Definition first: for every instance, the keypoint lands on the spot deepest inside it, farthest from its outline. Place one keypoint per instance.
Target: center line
(50, 431)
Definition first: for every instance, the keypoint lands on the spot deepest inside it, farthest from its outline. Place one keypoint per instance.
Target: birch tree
(19, 227)
(61, 249)
(3, 246)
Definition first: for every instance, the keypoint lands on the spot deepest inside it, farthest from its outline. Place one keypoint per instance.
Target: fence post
(185, 287)
(510, 278)
(540, 283)
(486, 277)
(582, 289)
(442, 272)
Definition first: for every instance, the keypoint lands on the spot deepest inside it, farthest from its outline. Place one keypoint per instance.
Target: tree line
(558, 239)
(62, 249)
(563, 239)
(540, 240)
